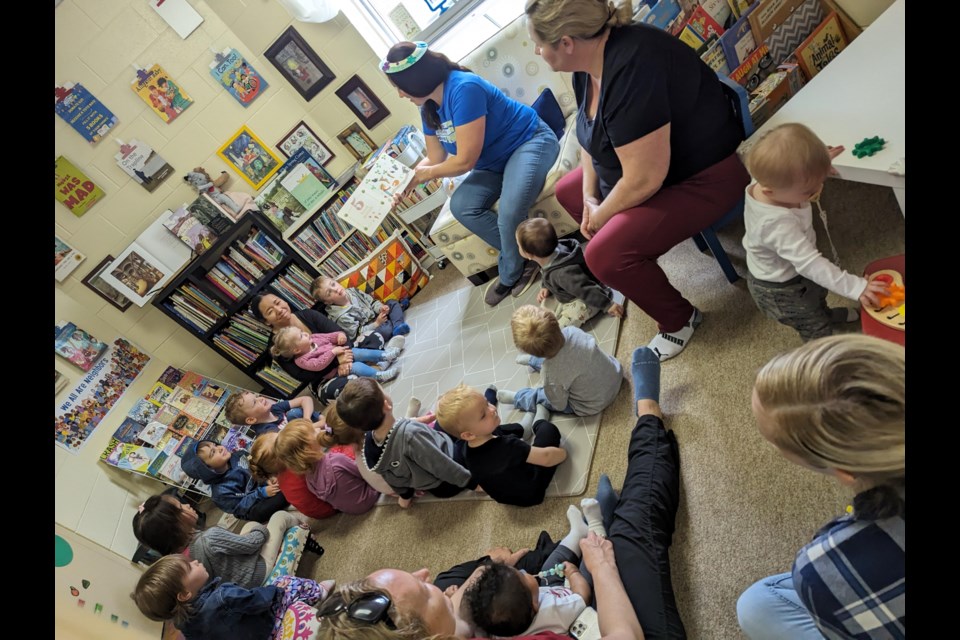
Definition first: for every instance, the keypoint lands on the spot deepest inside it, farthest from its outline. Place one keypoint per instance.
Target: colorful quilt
(389, 273)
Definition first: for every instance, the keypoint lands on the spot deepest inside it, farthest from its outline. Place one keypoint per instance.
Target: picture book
(214, 393)
(185, 445)
(715, 59)
(128, 431)
(210, 214)
(719, 10)
(237, 76)
(82, 111)
(704, 24)
(738, 41)
(278, 205)
(186, 425)
(769, 15)
(237, 438)
(76, 345)
(60, 381)
(170, 376)
(65, 259)
(132, 457)
(169, 441)
(142, 269)
(166, 414)
(794, 30)
(178, 398)
(153, 432)
(181, 17)
(191, 231)
(200, 408)
(172, 471)
(217, 433)
(143, 164)
(143, 411)
(822, 46)
(155, 87)
(305, 187)
(754, 69)
(372, 200)
(158, 393)
(73, 189)
(663, 13)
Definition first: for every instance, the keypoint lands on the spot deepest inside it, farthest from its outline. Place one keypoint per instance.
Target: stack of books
(245, 338)
(194, 307)
(278, 378)
(418, 194)
(294, 287)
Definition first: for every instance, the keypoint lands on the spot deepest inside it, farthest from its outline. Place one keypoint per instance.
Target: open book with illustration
(144, 268)
(373, 198)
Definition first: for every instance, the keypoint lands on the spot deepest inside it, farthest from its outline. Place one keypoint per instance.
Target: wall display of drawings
(95, 394)
(144, 267)
(372, 200)
(161, 93)
(73, 189)
(237, 76)
(181, 408)
(143, 164)
(82, 111)
(65, 259)
(363, 102)
(302, 136)
(299, 64)
(247, 155)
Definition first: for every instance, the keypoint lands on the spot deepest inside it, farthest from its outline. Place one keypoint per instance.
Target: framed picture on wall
(303, 137)
(299, 64)
(357, 142)
(363, 102)
(101, 288)
(249, 157)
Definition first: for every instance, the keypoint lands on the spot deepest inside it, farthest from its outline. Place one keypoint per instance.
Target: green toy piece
(868, 146)
(556, 570)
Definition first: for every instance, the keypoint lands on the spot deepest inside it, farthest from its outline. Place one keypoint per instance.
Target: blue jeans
(361, 356)
(517, 189)
(771, 608)
(527, 399)
(394, 317)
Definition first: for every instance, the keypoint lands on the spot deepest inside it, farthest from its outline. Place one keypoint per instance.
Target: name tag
(446, 133)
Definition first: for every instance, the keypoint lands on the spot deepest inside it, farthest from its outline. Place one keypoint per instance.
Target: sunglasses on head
(370, 608)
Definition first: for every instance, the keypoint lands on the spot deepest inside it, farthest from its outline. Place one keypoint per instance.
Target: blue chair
(707, 239)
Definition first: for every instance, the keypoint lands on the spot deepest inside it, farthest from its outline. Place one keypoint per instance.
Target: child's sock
(506, 396)
(390, 355)
(526, 421)
(844, 314)
(542, 413)
(667, 345)
(491, 395)
(523, 359)
(591, 511)
(396, 342)
(387, 375)
(578, 530)
(413, 408)
(645, 371)
(401, 329)
(404, 303)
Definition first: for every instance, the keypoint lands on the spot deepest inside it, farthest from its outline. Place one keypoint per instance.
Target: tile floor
(457, 337)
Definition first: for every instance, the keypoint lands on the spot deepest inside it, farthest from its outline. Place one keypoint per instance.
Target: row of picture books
(181, 408)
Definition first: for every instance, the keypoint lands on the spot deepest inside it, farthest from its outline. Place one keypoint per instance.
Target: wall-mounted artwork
(161, 93)
(302, 136)
(363, 102)
(299, 64)
(249, 157)
(82, 111)
(103, 289)
(356, 141)
(237, 76)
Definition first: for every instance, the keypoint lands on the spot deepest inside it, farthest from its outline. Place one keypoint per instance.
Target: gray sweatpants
(798, 303)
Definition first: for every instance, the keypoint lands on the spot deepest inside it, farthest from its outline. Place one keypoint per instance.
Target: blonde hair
(788, 155)
(293, 446)
(409, 625)
(839, 402)
(283, 342)
(157, 590)
(338, 432)
(232, 410)
(451, 405)
(264, 461)
(584, 19)
(317, 286)
(537, 237)
(536, 331)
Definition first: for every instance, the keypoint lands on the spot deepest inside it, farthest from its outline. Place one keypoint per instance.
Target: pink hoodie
(336, 479)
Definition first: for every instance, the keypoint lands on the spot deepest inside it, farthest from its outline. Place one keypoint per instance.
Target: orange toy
(892, 310)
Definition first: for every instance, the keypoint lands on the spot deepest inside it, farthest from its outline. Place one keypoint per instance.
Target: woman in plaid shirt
(836, 405)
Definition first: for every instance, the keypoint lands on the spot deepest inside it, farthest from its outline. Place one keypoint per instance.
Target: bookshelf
(209, 298)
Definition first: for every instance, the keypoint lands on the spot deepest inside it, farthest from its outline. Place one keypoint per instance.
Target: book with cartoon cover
(155, 87)
(237, 76)
(76, 345)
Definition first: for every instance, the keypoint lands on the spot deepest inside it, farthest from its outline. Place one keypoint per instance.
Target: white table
(859, 94)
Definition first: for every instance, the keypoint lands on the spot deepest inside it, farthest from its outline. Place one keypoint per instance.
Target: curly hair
(161, 525)
(498, 602)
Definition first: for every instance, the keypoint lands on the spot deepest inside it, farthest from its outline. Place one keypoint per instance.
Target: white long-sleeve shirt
(781, 243)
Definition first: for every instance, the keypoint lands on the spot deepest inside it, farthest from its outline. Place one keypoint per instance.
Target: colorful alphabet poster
(237, 76)
(83, 111)
(164, 96)
(73, 188)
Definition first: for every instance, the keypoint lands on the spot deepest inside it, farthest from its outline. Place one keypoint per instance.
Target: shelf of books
(210, 297)
(181, 408)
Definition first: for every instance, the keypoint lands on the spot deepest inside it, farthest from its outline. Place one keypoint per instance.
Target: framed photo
(249, 157)
(96, 283)
(303, 137)
(356, 141)
(362, 101)
(299, 64)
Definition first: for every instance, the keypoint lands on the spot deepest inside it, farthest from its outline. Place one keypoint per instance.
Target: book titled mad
(237, 76)
(76, 345)
(73, 189)
(823, 45)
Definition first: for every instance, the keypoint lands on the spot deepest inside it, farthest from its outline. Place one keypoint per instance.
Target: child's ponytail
(158, 590)
(337, 432)
(263, 457)
(159, 524)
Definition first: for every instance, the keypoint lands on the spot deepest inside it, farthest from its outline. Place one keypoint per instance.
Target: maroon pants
(623, 254)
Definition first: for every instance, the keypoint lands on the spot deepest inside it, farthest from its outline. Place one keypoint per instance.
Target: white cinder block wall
(97, 42)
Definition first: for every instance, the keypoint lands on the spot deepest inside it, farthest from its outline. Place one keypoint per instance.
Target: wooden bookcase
(213, 333)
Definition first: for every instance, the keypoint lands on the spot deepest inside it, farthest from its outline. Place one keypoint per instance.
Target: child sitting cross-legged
(510, 470)
(408, 454)
(265, 414)
(209, 608)
(578, 376)
(332, 477)
(359, 314)
(315, 352)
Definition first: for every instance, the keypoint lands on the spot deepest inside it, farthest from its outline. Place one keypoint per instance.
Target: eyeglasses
(370, 608)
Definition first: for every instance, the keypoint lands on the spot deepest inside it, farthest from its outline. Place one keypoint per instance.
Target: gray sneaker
(531, 271)
(496, 293)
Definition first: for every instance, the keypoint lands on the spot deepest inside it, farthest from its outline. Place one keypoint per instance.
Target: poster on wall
(82, 111)
(95, 394)
(73, 189)
(237, 76)
(157, 89)
(143, 164)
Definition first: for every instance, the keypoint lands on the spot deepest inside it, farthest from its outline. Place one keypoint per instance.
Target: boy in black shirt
(510, 470)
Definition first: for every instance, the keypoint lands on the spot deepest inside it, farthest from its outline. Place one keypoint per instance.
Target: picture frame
(299, 64)
(250, 157)
(357, 142)
(363, 102)
(94, 282)
(302, 136)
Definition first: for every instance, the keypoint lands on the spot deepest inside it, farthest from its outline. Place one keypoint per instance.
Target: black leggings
(265, 508)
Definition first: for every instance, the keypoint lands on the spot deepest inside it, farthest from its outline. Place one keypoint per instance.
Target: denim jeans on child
(362, 356)
(527, 400)
(770, 608)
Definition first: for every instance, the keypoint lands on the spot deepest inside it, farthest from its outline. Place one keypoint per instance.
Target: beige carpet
(744, 511)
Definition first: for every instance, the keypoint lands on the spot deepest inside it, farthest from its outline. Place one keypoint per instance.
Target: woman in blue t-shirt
(658, 159)
(470, 125)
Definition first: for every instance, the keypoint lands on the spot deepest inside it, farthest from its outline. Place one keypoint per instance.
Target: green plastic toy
(868, 146)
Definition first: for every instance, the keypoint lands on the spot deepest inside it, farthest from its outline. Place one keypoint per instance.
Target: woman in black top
(658, 144)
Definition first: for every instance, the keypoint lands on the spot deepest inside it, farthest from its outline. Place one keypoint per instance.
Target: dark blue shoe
(401, 329)
(404, 303)
(491, 395)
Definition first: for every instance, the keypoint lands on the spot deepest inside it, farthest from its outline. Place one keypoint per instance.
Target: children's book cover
(278, 205)
(201, 409)
(823, 45)
(73, 189)
(214, 392)
(305, 187)
(131, 457)
(250, 157)
(185, 445)
(82, 111)
(236, 439)
(65, 259)
(171, 470)
(185, 226)
(128, 431)
(143, 164)
(143, 411)
(153, 432)
(237, 76)
(704, 24)
(76, 345)
(192, 382)
(159, 393)
(157, 89)
(169, 441)
(217, 433)
(179, 398)
(209, 214)
(186, 425)
(170, 376)
(738, 41)
(370, 203)
(166, 415)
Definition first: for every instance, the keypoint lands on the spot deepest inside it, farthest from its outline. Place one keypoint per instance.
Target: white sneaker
(667, 345)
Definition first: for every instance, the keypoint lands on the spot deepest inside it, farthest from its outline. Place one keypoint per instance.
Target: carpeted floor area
(744, 510)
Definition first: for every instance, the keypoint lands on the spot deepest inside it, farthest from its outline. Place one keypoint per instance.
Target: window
(453, 27)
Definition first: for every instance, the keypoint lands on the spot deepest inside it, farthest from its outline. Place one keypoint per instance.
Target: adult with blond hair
(658, 160)
(836, 405)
